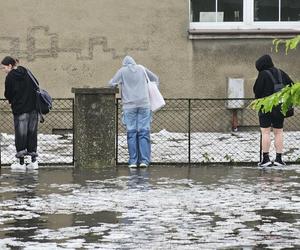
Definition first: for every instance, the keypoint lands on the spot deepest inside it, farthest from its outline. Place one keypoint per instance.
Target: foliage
(290, 44)
(288, 96)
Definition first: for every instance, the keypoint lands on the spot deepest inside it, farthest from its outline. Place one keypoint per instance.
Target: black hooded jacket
(264, 86)
(20, 91)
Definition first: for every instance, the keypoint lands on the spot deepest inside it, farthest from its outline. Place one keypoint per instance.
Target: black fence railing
(208, 131)
(55, 135)
(184, 131)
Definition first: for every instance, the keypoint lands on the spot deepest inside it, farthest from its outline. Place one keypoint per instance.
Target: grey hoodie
(134, 90)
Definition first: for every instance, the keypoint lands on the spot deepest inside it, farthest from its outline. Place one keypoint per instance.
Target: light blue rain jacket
(134, 90)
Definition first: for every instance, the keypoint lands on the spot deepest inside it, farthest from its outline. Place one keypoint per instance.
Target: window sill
(195, 34)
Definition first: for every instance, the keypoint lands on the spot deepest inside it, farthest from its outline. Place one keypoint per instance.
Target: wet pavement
(162, 207)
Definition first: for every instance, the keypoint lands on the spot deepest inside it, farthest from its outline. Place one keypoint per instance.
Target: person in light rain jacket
(264, 86)
(136, 109)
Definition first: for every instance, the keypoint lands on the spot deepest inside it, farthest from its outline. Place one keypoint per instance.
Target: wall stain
(32, 52)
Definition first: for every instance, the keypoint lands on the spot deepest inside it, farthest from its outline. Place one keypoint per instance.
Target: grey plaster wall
(80, 43)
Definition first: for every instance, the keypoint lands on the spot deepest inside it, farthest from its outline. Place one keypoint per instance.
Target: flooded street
(162, 207)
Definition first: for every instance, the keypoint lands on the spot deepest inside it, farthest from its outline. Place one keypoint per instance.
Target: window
(282, 10)
(217, 11)
(245, 14)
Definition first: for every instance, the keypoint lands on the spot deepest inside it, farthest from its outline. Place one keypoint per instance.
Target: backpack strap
(278, 84)
(37, 95)
(279, 76)
(33, 79)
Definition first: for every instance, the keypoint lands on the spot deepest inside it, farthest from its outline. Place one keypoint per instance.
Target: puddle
(163, 207)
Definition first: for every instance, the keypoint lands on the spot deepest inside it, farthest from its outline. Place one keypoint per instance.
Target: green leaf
(290, 44)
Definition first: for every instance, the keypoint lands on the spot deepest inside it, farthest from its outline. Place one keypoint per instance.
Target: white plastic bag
(156, 99)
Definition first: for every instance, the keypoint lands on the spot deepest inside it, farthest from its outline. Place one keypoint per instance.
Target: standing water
(162, 207)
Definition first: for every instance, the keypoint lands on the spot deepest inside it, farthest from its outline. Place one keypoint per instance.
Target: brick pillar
(94, 127)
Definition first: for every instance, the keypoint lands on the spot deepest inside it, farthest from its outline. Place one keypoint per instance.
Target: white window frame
(248, 22)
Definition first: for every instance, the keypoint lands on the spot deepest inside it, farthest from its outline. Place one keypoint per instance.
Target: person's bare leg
(278, 133)
(266, 142)
(266, 139)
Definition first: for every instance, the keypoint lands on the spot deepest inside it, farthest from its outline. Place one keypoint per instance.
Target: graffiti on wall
(47, 46)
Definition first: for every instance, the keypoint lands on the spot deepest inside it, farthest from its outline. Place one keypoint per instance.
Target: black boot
(278, 161)
(265, 161)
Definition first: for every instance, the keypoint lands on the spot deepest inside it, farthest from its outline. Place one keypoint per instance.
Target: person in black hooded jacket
(20, 91)
(264, 86)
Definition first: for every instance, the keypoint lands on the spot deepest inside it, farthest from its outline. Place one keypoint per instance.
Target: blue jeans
(137, 122)
(26, 126)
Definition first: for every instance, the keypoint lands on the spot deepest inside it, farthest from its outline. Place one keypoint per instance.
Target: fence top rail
(214, 99)
(204, 99)
(58, 99)
(170, 99)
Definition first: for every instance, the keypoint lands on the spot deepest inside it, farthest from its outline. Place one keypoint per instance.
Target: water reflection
(161, 207)
(22, 225)
(138, 179)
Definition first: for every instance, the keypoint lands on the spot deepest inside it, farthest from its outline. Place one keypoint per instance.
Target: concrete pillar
(94, 127)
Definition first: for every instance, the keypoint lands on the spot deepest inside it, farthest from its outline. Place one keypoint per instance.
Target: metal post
(0, 148)
(117, 129)
(73, 129)
(260, 148)
(189, 130)
(234, 126)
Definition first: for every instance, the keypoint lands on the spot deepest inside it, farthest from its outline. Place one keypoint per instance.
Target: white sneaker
(143, 165)
(132, 166)
(33, 165)
(18, 166)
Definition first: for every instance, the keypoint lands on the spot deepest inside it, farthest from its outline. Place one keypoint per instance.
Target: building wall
(80, 43)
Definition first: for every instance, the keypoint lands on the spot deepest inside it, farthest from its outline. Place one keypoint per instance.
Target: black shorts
(272, 119)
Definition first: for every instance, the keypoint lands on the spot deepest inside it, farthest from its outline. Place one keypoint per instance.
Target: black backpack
(43, 99)
(278, 85)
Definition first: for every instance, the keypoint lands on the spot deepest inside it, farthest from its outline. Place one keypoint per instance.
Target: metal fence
(55, 137)
(208, 131)
(184, 131)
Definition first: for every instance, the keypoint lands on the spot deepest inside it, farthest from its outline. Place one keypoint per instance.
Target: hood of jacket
(263, 63)
(129, 62)
(18, 74)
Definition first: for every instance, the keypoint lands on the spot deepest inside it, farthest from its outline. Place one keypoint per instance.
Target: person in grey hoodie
(136, 109)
